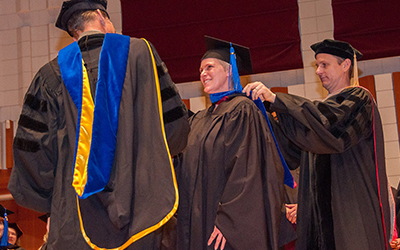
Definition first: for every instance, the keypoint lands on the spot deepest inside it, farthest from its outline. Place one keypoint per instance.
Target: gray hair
(79, 19)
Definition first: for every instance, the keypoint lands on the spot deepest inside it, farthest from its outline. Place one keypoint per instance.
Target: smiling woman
(214, 75)
(230, 154)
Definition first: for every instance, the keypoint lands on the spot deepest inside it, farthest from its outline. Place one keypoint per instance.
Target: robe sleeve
(241, 213)
(290, 152)
(327, 127)
(35, 144)
(175, 112)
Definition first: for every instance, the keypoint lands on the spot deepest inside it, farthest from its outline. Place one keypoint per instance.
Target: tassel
(355, 72)
(235, 73)
(4, 239)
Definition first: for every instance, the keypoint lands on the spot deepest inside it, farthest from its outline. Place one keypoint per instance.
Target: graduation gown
(230, 176)
(343, 194)
(140, 190)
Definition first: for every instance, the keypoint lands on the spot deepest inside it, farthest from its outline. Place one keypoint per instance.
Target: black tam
(70, 7)
(336, 48)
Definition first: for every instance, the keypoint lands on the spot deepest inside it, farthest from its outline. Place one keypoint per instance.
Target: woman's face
(12, 236)
(1, 227)
(213, 76)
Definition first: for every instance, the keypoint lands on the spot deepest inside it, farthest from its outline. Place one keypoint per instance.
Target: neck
(89, 32)
(90, 27)
(337, 87)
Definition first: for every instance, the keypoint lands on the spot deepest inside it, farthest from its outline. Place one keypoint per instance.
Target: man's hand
(291, 212)
(395, 244)
(220, 239)
(259, 90)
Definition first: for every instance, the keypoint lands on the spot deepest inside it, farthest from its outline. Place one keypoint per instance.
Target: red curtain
(371, 26)
(177, 28)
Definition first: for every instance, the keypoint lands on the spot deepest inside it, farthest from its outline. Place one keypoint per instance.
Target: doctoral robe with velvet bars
(343, 192)
(140, 191)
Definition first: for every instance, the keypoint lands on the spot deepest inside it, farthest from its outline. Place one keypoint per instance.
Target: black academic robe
(140, 191)
(230, 176)
(343, 181)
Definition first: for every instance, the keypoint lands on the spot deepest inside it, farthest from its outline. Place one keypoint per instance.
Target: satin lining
(84, 137)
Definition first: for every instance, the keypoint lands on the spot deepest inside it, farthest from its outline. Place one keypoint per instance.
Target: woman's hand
(220, 239)
(291, 212)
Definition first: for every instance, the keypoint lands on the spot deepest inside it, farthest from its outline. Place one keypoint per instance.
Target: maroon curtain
(371, 26)
(177, 28)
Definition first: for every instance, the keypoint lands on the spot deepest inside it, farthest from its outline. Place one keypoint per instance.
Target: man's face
(213, 76)
(333, 75)
(12, 236)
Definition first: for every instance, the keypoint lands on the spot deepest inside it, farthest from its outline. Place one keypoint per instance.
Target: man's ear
(346, 64)
(101, 18)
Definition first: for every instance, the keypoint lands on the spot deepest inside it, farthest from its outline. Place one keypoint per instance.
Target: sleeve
(175, 112)
(326, 127)
(241, 214)
(290, 152)
(35, 147)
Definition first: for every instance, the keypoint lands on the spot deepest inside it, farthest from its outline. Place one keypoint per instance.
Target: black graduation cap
(16, 228)
(44, 217)
(336, 48)
(220, 49)
(4, 210)
(70, 7)
(6, 245)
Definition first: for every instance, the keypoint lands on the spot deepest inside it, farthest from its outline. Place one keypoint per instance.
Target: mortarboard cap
(16, 228)
(44, 217)
(4, 210)
(70, 7)
(336, 48)
(4, 239)
(220, 49)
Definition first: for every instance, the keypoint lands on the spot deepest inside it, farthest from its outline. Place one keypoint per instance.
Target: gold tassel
(355, 72)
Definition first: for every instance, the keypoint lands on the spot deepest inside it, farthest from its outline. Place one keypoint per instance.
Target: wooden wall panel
(187, 103)
(280, 89)
(368, 82)
(9, 137)
(4, 178)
